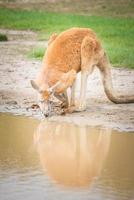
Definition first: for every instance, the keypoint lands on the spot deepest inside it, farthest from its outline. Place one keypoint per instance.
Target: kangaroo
(72, 51)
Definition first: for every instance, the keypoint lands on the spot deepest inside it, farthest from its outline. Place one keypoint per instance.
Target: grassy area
(37, 53)
(117, 34)
(3, 37)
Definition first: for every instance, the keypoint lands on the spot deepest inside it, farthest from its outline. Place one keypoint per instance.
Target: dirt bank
(17, 96)
(89, 7)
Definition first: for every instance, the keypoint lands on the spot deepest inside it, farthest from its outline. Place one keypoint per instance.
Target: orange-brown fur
(64, 53)
(74, 50)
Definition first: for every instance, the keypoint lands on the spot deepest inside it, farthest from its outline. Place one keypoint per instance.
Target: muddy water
(49, 160)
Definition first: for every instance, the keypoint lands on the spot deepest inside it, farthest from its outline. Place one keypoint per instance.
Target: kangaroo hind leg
(87, 66)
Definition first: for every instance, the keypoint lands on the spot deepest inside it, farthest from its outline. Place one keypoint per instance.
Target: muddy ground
(17, 96)
(89, 7)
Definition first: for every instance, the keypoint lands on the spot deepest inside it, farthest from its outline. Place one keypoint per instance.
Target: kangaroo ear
(66, 81)
(35, 86)
(52, 38)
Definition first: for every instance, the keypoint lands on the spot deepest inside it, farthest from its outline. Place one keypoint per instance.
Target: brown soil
(88, 7)
(17, 96)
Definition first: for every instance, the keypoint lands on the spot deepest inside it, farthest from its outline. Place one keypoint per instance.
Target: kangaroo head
(45, 93)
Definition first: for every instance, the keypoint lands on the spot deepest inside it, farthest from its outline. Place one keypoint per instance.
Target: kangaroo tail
(105, 70)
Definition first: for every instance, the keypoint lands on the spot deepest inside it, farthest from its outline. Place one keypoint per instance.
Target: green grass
(3, 37)
(37, 53)
(117, 34)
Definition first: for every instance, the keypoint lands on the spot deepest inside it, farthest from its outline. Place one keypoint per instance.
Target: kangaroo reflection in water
(72, 155)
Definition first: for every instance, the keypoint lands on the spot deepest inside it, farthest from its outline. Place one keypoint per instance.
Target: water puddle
(50, 160)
